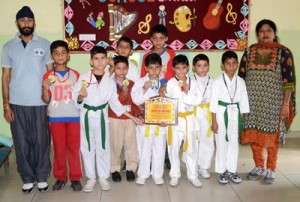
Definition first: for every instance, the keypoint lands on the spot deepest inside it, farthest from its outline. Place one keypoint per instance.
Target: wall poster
(192, 24)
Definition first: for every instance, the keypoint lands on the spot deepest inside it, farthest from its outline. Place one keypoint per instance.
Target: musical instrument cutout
(120, 21)
(211, 20)
(183, 17)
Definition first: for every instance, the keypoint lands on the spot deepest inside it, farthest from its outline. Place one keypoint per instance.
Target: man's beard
(26, 31)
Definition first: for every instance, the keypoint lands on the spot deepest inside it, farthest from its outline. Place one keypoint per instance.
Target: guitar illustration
(211, 20)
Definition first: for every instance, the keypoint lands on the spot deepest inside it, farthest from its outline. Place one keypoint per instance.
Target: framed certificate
(161, 110)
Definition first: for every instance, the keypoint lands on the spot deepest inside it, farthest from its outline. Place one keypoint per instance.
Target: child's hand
(138, 121)
(46, 84)
(111, 66)
(186, 88)
(147, 85)
(163, 124)
(162, 91)
(125, 89)
(141, 118)
(110, 61)
(111, 70)
(214, 127)
(82, 94)
(141, 107)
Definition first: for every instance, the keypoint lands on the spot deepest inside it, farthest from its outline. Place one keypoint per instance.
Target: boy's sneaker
(76, 185)
(196, 182)
(140, 180)
(130, 176)
(204, 173)
(116, 177)
(255, 173)
(27, 188)
(270, 177)
(234, 177)
(158, 181)
(104, 184)
(90, 184)
(59, 184)
(174, 181)
(42, 186)
(223, 179)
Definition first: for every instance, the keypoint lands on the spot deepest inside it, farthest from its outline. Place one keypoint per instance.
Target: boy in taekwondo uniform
(206, 140)
(153, 145)
(189, 95)
(229, 100)
(93, 91)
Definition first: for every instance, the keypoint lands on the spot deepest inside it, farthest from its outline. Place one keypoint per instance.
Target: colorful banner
(192, 24)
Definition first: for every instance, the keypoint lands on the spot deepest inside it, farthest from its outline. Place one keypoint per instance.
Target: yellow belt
(147, 131)
(186, 142)
(208, 117)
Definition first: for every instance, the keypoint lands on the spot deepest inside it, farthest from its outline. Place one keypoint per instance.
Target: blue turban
(25, 12)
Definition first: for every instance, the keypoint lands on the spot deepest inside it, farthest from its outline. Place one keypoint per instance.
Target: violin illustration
(211, 20)
(183, 18)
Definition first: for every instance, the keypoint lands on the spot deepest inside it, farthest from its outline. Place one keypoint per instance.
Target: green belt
(102, 122)
(240, 123)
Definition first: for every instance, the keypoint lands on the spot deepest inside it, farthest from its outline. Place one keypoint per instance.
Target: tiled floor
(286, 188)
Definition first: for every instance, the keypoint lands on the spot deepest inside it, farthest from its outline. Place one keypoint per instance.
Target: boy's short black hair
(200, 57)
(153, 58)
(180, 59)
(97, 49)
(117, 59)
(58, 43)
(127, 40)
(229, 54)
(159, 29)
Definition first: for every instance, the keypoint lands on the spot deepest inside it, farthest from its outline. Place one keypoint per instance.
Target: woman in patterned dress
(268, 70)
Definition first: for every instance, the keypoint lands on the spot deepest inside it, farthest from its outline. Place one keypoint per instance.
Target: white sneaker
(140, 180)
(223, 179)
(270, 177)
(104, 184)
(196, 182)
(234, 177)
(204, 173)
(27, 188)
(90, 184)
(158, 181)
(42, 186)
(174, 181)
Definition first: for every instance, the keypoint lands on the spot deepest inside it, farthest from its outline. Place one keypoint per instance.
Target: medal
(154, 83)
(84, 84)
(125, 82)
(181, 85)
(52, 78)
